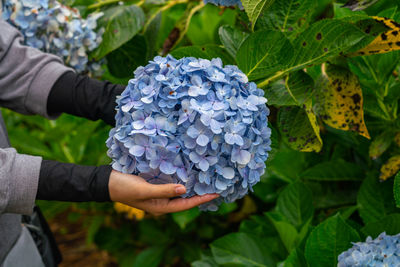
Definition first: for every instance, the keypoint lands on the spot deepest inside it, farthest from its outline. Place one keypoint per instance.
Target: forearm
(71, 182)
(19, 176)
(82, 96)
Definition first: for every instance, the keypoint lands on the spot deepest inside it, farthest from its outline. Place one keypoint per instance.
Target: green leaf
(123, 61)
(287, 16)
(322, 40)
(254, 8)
(150, 257)
(296, 204)
(296, 259)
(205, 52)
(396, 189)
(264, 53)
(375, 199)
(231, 38)
(294, 90)
(121, 23)
(299, 129)
(183, 218)
(389, 224)
(286, 231)
(205, 24)
(328, 240)
(336, 170)
(240, 249)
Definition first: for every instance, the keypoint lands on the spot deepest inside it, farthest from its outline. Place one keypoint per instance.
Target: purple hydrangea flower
(53, 28)
(194, 122)
(382, 251)
(225, 2)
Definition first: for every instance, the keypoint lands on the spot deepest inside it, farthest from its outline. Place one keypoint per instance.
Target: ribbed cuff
(24, 184)
(36, 101)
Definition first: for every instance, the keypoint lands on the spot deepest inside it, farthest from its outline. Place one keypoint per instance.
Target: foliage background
(321, 189)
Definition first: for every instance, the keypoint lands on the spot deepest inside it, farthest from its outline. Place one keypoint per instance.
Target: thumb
(163, 191)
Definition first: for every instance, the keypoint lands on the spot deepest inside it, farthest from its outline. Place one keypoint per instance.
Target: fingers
(182, 204)
(163, 191)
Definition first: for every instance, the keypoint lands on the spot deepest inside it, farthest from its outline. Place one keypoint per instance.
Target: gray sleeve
(19, 178)
(26, 74)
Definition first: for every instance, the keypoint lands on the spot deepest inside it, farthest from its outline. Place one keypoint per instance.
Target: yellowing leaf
(130, 212)
(356, 5)
(385, 42)
(380, 144)
(340, 101)
(390, 168)
(299, 128)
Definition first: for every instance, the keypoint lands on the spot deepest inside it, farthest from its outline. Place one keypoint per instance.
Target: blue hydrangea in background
(57, 29)
(193, 122)
(225, 2)
(383, 251)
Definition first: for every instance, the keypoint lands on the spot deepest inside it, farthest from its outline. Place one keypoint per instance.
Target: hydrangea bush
(382, 251)
(57, 29)
(193, 122)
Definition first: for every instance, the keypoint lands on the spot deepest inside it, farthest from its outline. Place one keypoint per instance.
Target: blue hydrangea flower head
(193, 122)
(225, 2)
(382, 251)
(53, 28)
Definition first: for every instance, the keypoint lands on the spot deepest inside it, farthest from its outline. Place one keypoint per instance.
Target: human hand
(134, 191)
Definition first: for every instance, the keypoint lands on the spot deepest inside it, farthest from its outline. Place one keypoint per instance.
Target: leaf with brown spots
(340, 101)
(299, 128)
(385, 42)
(390, 168)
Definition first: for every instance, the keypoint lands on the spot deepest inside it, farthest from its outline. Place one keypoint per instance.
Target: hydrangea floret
(192, 122)
(225, 2)
(54, 28)
(382, 251)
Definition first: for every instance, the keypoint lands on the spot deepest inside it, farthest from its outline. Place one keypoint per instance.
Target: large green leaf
(263, 53)
(287, 16)
(205, 52)
(375, 199)
(183, 218)
(328, 240)
(121, 23)
(231, 38)
(255, 7)
(299, 129)
(296, 204)
(389, 224)
(322, 40)
(337, 170)
(240, 249)
(123, 61)
(294, 90)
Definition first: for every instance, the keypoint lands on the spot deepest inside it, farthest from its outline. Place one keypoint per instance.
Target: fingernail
(180, 190)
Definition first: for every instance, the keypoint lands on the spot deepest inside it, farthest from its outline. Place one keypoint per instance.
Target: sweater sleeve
(19, 178)
(26, 74)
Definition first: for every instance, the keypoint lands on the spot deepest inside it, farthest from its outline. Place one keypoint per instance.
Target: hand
(134, 191)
